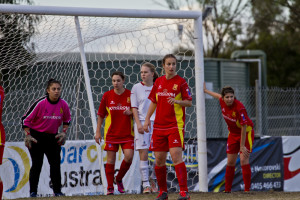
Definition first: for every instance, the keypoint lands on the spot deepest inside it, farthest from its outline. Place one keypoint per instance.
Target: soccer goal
(81, 47)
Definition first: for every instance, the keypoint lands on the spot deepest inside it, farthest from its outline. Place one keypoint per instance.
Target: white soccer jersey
(139, 99)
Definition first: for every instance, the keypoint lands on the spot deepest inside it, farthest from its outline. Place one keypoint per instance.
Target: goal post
(81, 47)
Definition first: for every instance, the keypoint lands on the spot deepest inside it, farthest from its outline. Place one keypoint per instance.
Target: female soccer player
(140, 104)
(118, 131)
(240, 137)
(169, 96)
(2, 136)
(41, 123)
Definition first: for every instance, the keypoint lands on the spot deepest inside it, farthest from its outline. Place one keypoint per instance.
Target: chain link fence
(276, 113)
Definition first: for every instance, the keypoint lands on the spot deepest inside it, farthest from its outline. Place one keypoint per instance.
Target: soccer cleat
(33, 194)
(183, 195)
(120, 186)
(162, 196)
(147, 190)
(153, 183)
(59, 194)
(110, 191)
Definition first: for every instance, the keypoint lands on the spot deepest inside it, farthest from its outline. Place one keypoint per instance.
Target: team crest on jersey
(128, 99)
(159, 87)
(112, 102)
(233, 114)
(175, 86)
(61, 111)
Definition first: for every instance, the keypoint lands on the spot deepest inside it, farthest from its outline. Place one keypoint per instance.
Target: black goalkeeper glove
(29, 140)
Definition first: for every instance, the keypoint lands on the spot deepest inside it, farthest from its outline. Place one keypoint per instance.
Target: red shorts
(163, 140)
(234, 140)
(115, 147)
(1, 153)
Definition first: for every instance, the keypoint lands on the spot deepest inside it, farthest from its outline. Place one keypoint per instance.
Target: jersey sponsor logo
(52, 117)
(119, 107)
(230, 119)
(175, 86)
(165, 93)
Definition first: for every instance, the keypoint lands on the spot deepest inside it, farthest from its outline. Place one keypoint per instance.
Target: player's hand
(204, 86)
(29, 140)
(98, 138)
(146, 125)
(140, 128)
(171, 100)
(245, 151)
(62, 137)
(127, 112)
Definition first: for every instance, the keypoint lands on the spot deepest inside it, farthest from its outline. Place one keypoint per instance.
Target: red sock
(181, 174)
(229, 175)
(161, 175)
(123, 169)
(110, 172)
(1, 189)
(246, 170)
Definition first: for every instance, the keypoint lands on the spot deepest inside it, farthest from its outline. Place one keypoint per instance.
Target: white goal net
(35, 48)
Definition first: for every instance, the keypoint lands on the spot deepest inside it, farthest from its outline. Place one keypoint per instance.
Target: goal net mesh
(37, 48)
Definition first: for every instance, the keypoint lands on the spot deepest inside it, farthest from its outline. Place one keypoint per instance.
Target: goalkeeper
(41, 123)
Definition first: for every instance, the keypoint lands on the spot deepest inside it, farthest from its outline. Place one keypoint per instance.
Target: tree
(222, 28)
(15, 33)
(276, 31)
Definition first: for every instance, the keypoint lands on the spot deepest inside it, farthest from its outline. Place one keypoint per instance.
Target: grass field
(194, 196)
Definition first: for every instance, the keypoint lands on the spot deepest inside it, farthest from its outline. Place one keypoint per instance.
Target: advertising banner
(265, 160)
(291, 158)
(79, 169)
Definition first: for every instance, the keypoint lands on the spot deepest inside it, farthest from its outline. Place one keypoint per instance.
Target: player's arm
(151, 110)
(243, 148)
(98, 130)
(183, 103)
(137, 120)
(211, 93)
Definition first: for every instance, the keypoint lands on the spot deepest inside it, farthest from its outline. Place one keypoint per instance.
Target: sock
(1, 189)
(153, 175)
(246, 170)
(144, 169)
(109, 172)
(161, 173)
(123, 169)
(181, 174)
(229, 175)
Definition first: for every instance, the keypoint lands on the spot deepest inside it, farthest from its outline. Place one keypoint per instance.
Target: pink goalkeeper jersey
(169, 116)
(46, 116)
(2, 132)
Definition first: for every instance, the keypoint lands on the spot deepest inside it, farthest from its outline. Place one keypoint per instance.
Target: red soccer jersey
(118, 127)
(2, 132)
(235, 116)
(169, 116)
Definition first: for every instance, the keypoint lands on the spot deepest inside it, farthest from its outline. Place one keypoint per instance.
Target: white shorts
(142, 141)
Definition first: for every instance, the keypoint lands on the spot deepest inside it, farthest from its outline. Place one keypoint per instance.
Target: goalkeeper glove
(28, 141)
(61, 138)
